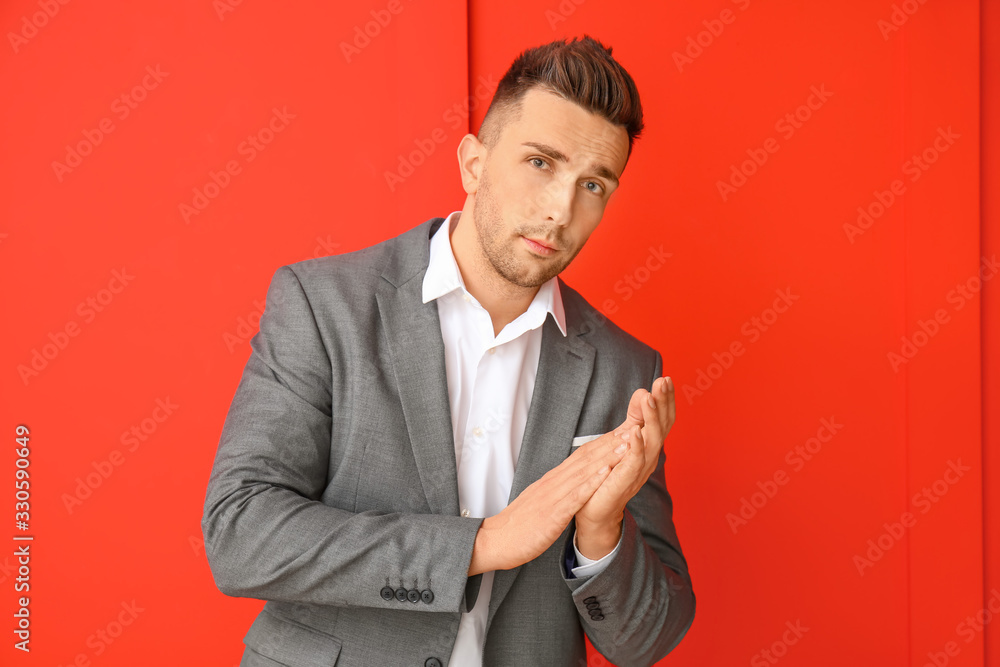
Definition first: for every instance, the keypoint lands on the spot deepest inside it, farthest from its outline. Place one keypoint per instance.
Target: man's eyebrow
(599, 169)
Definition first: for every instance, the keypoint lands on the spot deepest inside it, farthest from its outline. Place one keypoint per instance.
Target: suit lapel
(413, 332)
(565, 364)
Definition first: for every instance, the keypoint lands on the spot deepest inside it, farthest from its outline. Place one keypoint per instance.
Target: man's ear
(471, 155)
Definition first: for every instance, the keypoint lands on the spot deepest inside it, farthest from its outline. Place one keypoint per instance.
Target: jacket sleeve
(639, 607)
(268, 535)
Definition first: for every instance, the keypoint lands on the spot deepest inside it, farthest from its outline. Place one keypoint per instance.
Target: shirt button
(466, 297)
(493, 350)
(465, 512)
(478, 432)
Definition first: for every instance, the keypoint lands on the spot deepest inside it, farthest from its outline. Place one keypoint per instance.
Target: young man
(441, 454)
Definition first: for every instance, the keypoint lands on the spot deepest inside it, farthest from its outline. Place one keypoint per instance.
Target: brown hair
(579, 71)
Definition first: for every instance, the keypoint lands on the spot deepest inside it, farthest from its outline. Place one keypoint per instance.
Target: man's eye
(596, 189)
(538, 162)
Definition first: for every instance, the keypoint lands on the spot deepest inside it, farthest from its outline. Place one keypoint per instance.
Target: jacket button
(413, 595)
(598, 617)
(388, 593)
(401, 594)
(593, 605)
(432, 662)
(590, 599)
(594, 613)
(427, 596)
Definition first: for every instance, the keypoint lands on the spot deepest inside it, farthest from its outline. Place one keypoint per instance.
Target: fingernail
(603, 470)
(621, 448)
(667, 383)
(649, 399)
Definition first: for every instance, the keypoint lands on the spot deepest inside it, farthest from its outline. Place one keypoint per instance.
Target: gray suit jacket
(334, 492)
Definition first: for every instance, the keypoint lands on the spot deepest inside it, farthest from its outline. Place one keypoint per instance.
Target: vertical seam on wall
(468, 62)
(983, 442)
(908, 469)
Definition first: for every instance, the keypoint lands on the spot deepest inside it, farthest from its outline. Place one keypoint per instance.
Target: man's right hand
(535, 519)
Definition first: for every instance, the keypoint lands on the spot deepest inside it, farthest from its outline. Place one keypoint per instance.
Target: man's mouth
(539, 246)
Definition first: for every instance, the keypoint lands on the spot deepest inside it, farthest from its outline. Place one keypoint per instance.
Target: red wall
(138, 236)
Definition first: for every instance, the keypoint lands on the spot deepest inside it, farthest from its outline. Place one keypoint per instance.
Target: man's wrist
(483, 556)
(595, 541)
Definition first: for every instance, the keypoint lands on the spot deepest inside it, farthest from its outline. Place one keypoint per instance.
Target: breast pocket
(581, 439)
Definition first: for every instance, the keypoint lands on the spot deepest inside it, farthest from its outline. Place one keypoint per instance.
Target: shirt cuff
(587, 567)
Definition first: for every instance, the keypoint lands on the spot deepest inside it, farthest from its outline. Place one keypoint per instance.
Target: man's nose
(555, 201)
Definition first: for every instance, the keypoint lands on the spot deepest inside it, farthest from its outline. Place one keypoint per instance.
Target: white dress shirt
(490, 383)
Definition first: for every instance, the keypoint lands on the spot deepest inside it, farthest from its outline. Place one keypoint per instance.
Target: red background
(178, 329)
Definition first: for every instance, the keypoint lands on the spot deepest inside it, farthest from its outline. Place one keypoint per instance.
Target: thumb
(634, 414)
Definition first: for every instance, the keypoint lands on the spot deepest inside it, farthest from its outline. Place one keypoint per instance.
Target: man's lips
(539, 246)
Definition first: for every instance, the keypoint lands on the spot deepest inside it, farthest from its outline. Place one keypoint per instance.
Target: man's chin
(531, 279)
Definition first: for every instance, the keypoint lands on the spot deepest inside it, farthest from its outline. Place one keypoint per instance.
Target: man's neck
(502, 300)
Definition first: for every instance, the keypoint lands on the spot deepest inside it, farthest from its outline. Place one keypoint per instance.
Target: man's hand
(649, 419)
(535, 519)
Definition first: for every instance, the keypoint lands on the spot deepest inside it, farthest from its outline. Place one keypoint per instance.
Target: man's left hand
(650, 417)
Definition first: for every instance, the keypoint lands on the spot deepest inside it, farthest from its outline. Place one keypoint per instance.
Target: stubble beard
(498, 250)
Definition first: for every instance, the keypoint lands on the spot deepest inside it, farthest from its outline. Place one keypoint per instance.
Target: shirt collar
(443, 277)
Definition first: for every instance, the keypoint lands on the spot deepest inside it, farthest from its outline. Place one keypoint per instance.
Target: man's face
(547, 179)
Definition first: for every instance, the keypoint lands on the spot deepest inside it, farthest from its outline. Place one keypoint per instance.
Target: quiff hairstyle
(580, 71)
